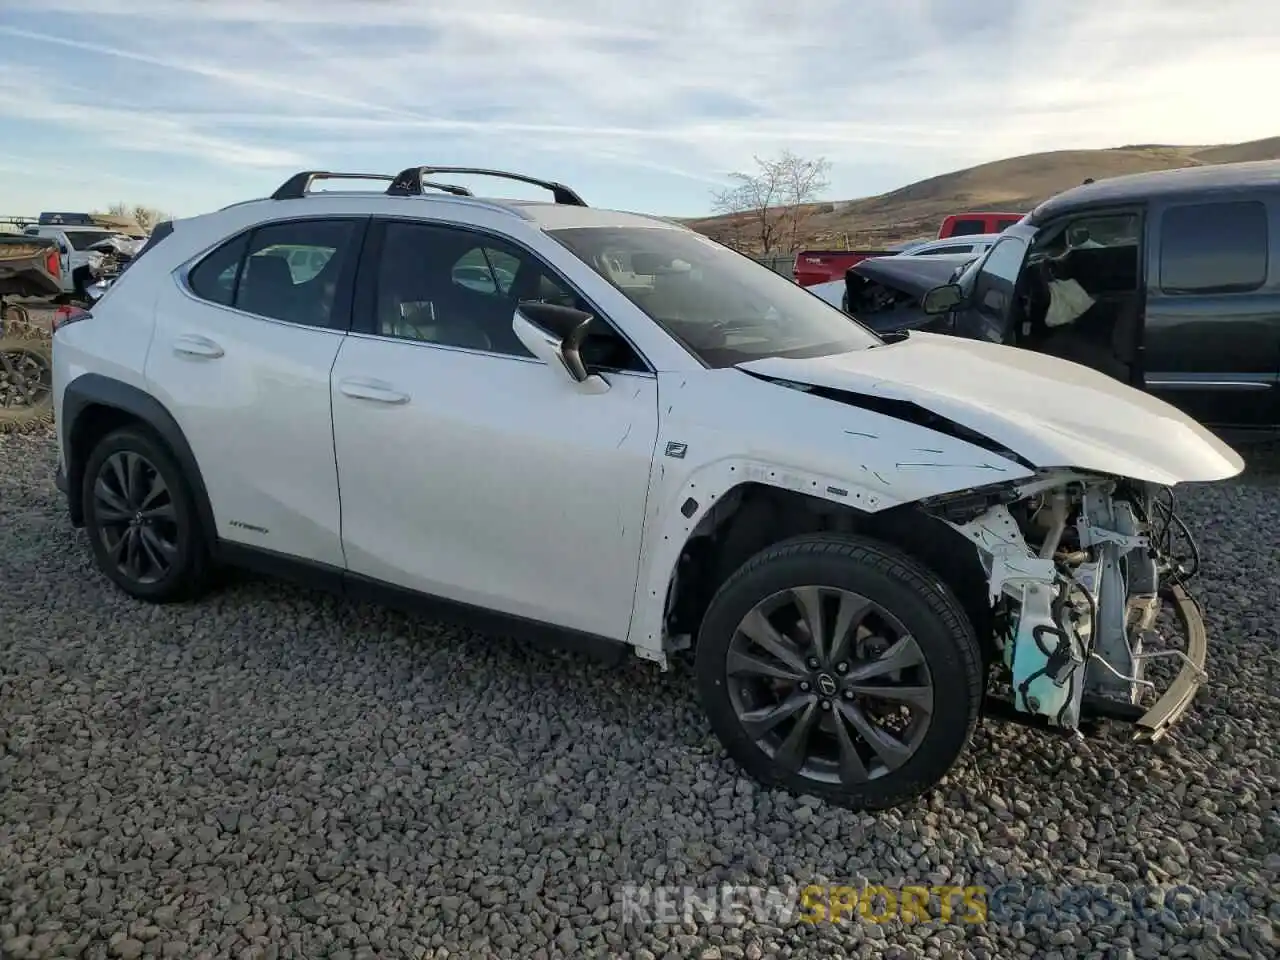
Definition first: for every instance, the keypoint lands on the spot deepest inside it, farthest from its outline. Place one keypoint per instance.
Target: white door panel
(490, 480)
(252, 397)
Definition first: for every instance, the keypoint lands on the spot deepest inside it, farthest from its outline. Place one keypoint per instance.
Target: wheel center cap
(827, 684)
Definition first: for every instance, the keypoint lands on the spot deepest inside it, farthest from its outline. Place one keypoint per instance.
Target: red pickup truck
(970, 224)
(819, 266)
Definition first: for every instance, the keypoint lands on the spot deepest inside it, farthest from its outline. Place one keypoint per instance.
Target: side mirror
(555, 334)
(942, 299)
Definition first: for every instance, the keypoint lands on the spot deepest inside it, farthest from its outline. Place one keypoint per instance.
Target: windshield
(723, 307)
(84, 239)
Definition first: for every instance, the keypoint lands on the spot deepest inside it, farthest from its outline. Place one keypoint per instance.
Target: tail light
(65, 315)
(53, 263)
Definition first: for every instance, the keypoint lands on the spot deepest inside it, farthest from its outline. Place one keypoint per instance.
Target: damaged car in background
(886, 293)
(654, 444)
(1166, 281)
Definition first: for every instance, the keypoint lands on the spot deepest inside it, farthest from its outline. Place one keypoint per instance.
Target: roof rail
(409, 182)
(298, 186)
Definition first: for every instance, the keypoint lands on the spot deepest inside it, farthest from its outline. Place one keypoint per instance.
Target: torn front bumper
(1151, 723)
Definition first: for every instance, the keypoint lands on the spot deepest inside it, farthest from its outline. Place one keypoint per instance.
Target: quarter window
(456, 288)
(284, 271)
(214, 277)
(1214, 248)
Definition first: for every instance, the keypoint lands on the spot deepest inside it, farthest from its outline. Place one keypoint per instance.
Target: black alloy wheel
(136, 517)
(140, 516)
(840, 667)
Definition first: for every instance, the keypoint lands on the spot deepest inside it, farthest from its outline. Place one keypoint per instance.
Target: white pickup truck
(76, 235)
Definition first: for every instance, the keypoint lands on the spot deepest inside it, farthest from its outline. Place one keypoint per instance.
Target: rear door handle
(377, 390)
(191, 345)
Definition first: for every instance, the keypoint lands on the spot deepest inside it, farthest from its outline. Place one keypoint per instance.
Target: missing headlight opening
(1077, 565)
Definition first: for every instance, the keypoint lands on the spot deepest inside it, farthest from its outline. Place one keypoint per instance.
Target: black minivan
(1166, 280)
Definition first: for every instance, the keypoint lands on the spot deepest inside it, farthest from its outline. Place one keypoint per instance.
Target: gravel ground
(273, 773)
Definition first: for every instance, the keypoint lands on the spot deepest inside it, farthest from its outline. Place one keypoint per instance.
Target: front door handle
(191, 345)
(377, 390)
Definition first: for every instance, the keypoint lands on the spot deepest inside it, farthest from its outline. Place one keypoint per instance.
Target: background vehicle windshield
(84, 239)
(725, 308)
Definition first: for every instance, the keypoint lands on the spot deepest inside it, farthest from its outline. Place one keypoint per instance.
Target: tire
(177, 528)
(946, 685)
(26, 371)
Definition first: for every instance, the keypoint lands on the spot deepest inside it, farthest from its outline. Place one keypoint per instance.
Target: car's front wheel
(842, 668)
(141, 519)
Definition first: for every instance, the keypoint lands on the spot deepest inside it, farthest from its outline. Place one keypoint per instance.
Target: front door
(470, 470)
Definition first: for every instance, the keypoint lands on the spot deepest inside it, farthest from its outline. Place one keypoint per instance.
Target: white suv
(633, 436)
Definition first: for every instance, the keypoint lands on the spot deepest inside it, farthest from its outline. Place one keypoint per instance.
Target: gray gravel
(274, 773)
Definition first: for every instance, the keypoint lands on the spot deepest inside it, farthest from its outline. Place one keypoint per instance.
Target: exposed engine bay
(1078, 567)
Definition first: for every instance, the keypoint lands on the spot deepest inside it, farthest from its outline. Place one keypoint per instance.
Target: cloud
(668, 92)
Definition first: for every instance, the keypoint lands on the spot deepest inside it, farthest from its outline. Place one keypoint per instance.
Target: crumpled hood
(914, 276)
(118, 244)
(1052, 412)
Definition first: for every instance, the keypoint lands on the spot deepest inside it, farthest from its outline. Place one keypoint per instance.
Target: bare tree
(777, 200)
(144, 216)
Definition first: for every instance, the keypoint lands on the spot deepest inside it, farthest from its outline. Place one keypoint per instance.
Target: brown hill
(1016, 184)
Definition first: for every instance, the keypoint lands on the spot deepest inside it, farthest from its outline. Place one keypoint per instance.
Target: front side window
(284, 271)
(1214, 248)
(967, 228)
(453, 287)
(988, 281)
(721, 306)
(486, 269)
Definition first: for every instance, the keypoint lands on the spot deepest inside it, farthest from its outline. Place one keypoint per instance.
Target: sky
(188, 105)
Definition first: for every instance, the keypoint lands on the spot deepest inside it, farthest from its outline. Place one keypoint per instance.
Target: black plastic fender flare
(92, 390)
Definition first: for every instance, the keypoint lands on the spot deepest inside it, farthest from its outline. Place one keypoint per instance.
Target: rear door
(244, 344)
(1212, 335)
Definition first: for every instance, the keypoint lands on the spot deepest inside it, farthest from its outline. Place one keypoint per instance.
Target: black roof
(1138, 187)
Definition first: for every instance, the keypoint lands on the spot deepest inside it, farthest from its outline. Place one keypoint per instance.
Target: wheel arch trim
(668, 527)
(90, 390)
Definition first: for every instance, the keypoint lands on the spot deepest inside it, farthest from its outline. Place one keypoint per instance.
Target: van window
(1214, 247)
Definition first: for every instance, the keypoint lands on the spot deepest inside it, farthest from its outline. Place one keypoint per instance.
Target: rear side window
(1003, 225)
(284, 271)
(214, 278)
(967, 228)
(1214, 248)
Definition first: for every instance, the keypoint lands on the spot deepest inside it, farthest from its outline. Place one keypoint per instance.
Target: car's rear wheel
(141, 519)
(26, 376)
(842, 668)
